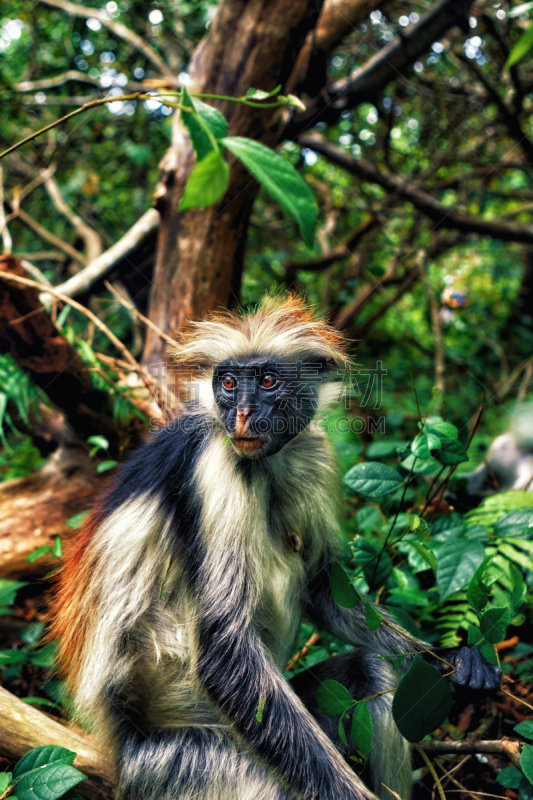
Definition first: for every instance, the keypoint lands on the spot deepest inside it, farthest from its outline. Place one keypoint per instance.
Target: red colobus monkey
(178, 608)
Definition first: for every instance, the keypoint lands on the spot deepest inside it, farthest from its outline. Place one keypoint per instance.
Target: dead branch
(101, 266)
(118, 29)
(22, 727)
(442, 216)
(57, 80)
(440, 368)
(54, 240)
(93, 242)
(505, 747)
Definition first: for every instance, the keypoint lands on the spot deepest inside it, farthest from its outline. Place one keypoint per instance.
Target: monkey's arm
(470, 668)
(246, 686)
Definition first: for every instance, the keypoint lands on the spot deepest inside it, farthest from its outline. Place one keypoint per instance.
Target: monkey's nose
(244, 412)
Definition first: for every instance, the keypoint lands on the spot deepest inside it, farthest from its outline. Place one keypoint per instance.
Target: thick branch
(34, 510)
(23, 727)
(421, 199)
(96, 271)
(504, 747)
(367, 82)
(115, 27)
(29, 335)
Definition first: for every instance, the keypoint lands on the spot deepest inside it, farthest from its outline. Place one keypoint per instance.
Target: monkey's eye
(268, 381)
(228, 382)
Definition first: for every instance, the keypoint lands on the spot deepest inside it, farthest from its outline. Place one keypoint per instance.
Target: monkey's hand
(472, 670)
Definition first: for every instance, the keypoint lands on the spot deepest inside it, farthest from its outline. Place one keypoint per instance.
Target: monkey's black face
(265, 404)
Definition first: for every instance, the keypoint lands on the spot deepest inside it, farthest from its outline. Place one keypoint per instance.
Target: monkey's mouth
(249, 444)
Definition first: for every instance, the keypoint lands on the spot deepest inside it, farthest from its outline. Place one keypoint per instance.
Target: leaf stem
(431, 768)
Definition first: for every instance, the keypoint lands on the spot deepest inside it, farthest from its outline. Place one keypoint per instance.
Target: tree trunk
(200, 252)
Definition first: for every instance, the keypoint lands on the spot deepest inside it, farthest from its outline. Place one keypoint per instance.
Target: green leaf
(447, 526)
(98, 441)
(417, 524)
(420, 446)
(422, 701)
(434, 441)
(342, 732)
(372, 618)
(43, 756)
(442, 429)
(57, 547)
(5, 779)
(521, 48)
(362, 728)
(283, 183)
(525, 729)
(457, 562)
(372, 480)
(333, 698)
(477, 593)
(518, 590)
(366, 556)
(208, 182)
(103, 466)
(77, 520)
(379, 450)
(510, 777)
(526, 761)
(260, 707)
(49, 783)
(211, 116)
(10, 656)
(493, 624)
(38, 553)
(451, 452)
(525, 790)
(8, 590)
(426, 554)
(515, 523)
(341, 588)
(259, 94)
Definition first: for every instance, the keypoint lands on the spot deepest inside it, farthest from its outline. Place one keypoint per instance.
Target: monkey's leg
(364, 674)
(190, 764)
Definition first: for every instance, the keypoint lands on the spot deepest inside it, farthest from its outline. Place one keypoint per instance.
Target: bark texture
(200, 252)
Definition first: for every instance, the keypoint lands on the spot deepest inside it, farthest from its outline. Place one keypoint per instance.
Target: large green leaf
(451, 452)
(49, 783)
(333, 698)
(372, 480)
(211, 116)
(42, 756)
(362, 728)
(442, 429)
(283, 183)
(422, 701)
(478, 593)
(208, 182)
(341, 588)
(525, 729)
(493, 624)
(457, 562)
(8, 590)
(526, 761)
(515, 523)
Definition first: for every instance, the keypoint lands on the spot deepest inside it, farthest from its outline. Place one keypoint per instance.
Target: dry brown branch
(23, 727)
(99, 268)
(304, 651)
(149, 324)
(50, 237)
(57, 80)
(118, 29)
(93, 242)
(506, 747)
(440, 368)
(442, 216)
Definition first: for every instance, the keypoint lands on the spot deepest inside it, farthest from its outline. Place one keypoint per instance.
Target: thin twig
(148, 322)
(431, 768)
